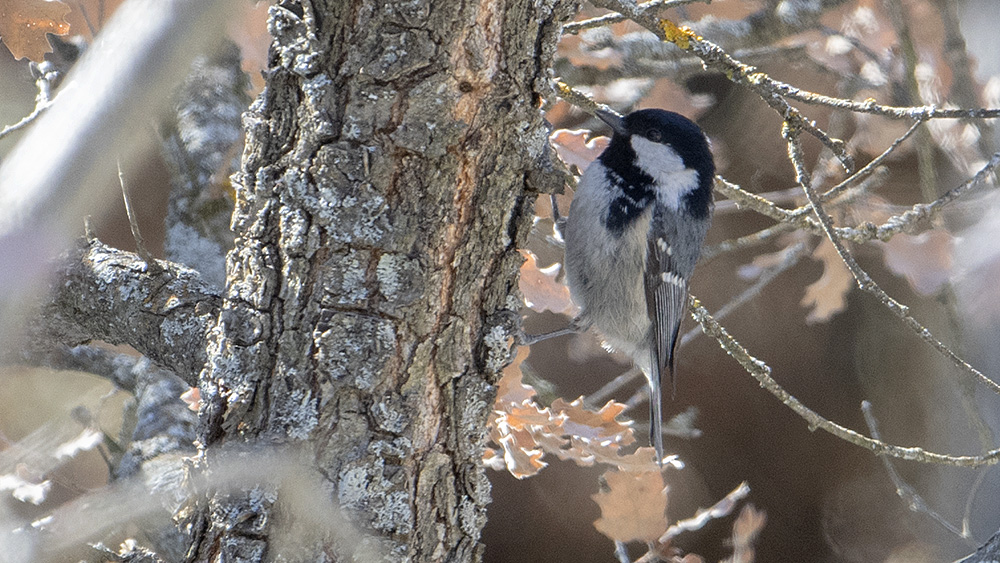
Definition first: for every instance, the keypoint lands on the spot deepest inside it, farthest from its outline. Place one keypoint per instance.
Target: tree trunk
(391, 168)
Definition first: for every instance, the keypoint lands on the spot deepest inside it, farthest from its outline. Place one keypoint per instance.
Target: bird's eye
(654, 135)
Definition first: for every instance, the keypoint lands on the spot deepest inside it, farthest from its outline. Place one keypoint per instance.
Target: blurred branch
(61, 169)
(42, 103)
(119, 368)
(925, 145)
(202, 142)
(762, 373)
(960, 64)
(909, 495)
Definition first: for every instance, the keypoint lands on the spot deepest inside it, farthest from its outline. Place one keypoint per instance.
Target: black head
(667, 128)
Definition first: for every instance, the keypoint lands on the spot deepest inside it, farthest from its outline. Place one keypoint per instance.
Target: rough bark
(389, 177)
(106, 294)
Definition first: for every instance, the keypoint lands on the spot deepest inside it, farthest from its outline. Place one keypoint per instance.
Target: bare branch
(608, 19)
(762, 373)
(909, 495)
(111, 295)
(864, 281)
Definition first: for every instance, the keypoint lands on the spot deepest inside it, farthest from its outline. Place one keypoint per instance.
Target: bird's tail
(655, 379)
(656, 416)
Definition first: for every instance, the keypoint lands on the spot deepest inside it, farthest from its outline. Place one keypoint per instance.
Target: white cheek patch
(673, 180)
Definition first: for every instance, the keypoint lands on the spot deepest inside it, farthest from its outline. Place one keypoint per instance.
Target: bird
(634, 233)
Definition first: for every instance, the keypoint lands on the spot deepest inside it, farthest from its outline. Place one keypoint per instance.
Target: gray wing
(666, 288)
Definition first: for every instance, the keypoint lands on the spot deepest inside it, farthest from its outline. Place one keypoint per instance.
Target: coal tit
(634, 233)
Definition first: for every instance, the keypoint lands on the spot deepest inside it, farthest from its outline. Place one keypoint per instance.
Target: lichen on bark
(389, 176)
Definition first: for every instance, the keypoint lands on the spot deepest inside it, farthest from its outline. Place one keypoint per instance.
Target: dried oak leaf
(521, 462)
(746, 528)
(574, 149)
(925, 260)
(511, 388)
(192, 398)
(539, 287)
(827, 296)
(90, 15)
(600, 426)
(634, 506)
(526, 415)
(24, 23)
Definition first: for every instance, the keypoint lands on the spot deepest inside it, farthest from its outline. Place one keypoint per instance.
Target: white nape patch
(662, 245)
(673, 180)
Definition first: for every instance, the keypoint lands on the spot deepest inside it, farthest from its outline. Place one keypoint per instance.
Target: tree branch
(762, 373)
(108, 294)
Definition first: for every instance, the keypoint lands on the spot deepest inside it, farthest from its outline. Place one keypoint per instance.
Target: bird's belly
(615, 302)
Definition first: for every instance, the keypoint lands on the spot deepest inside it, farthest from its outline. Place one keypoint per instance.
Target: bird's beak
(613, 119)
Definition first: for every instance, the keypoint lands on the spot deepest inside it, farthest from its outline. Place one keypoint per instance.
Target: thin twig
(789, 257)
(906, 492)
(920, 212)
(764, 236)
(43, 100)
(608, 19)
(599, 397)
(762, 373)
(864, 281)
(714, 57)
(925, 145)
(133, 223)
(26, 120)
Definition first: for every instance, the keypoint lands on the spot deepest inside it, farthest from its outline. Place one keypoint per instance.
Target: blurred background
(828, 343)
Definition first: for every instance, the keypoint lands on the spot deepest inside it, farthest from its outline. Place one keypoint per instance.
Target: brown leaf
(746, 528)
(595, 425)
(539, 286)
(827, 296)
(634, 506)
(528, 414)
(521, 462)
(574, 148)
(192, 398)
(510, 388)
(925, 260)
(24, 23)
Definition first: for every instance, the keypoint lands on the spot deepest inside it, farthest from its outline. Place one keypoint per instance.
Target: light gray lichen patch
(342, 277)
(401, 280)
(498, 341)
(365, 487)
(293, 44)
(178, 326)
(294, 227)
(354, 348)
(294, 412)
(344, 198)
(389, 414)
(316, 91)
